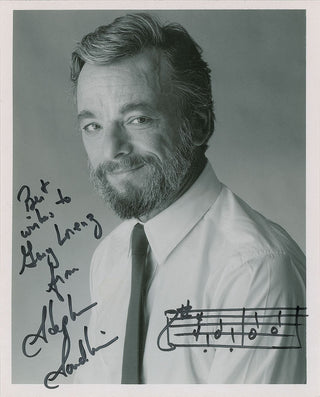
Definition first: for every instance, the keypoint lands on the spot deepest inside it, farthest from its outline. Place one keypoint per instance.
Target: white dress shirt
(211, 248)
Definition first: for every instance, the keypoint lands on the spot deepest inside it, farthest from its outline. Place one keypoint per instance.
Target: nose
(116, 142)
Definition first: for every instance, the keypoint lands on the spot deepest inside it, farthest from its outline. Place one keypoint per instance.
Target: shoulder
(255, 259)
(246, 232)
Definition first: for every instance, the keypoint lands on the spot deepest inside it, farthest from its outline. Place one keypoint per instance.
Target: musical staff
(249, 328)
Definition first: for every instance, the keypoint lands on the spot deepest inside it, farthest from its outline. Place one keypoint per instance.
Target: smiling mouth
(122, 171)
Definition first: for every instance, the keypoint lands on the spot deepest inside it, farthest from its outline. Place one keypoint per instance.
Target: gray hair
(129, 35)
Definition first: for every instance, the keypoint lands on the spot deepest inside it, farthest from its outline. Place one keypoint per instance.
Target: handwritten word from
(251, 328)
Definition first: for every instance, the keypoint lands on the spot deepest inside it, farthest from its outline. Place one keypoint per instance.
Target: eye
(91, 128)
(140, 120)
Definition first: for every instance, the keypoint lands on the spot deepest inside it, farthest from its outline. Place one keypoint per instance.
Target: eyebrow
(135, 105)
(85, 114)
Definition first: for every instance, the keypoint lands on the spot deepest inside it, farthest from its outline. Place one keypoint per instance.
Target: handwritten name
(67, 369)
(31, 341)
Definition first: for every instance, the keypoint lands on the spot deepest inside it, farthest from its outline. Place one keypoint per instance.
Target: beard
(162, 182)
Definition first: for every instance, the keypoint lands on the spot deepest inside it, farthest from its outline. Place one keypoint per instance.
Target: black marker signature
(54, 328)
(67, 369)
(49, 326)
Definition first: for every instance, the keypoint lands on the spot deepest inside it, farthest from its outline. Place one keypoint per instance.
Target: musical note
(196, 332)
(250, 328)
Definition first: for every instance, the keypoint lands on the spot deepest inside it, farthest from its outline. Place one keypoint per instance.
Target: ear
(202, 125)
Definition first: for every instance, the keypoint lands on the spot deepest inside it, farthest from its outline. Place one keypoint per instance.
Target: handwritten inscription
(31, 257)
(251, 328)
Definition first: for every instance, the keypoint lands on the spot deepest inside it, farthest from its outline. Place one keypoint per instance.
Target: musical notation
(246, 328)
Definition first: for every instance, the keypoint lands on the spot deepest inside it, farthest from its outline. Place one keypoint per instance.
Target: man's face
(130, 128)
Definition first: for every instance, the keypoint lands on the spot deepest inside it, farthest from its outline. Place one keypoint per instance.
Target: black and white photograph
(157, 221)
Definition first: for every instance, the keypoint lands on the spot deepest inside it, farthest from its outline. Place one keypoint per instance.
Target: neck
(188, 181)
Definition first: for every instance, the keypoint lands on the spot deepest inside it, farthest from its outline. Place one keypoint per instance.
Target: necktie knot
(139, 243)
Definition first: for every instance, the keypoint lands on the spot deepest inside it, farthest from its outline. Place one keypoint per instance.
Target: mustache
(125, 163)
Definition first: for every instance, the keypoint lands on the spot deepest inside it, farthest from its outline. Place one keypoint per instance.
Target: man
(146, 114)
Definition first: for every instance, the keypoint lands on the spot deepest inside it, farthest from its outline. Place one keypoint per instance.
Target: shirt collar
(169, 227)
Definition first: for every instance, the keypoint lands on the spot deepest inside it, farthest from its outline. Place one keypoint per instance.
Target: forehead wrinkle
(149, 72)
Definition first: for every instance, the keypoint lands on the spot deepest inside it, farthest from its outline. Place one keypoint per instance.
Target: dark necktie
(133, 344)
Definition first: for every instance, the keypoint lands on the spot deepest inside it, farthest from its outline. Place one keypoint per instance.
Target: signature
(48, 325)
(68, 369)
